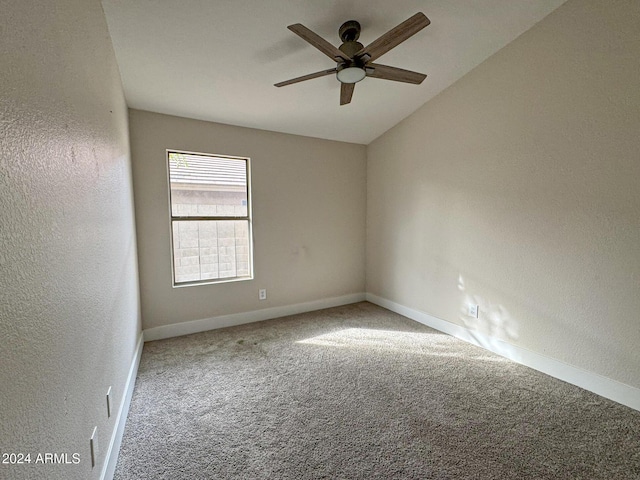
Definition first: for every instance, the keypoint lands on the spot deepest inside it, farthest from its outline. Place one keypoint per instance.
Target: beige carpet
(358, 392)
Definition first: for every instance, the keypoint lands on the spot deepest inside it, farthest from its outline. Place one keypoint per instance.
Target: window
(210, 218)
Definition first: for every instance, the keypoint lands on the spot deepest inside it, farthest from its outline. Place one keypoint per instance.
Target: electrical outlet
(262, 294)
(109, 403)
(473, 310)
(93, 447)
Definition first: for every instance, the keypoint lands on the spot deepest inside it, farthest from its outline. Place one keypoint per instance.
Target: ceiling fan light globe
(351, 74)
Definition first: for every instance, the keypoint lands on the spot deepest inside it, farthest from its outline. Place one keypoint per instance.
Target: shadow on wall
(493, 319)
(496, 330)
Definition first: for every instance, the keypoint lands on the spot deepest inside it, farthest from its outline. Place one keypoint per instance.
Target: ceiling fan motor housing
(351, 48)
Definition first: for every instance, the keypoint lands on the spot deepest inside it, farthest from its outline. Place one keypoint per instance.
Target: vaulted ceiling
(217, 60)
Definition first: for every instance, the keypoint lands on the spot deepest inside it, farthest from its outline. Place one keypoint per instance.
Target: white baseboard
(111, 458)
(196, 326)
(603, 386)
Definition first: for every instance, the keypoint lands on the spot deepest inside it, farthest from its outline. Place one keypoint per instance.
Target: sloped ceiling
(217, 60)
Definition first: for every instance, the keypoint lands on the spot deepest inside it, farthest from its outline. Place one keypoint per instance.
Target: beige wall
(308, 199)
(517, 189)
(69, 309)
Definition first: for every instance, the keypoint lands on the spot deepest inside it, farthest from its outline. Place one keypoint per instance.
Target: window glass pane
(210, 249)
(207, 186)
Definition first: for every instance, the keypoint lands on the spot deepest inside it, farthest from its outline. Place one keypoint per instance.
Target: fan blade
(306, 77)
(392, 73)
(320, 43)
(394, 37)
(346, 92)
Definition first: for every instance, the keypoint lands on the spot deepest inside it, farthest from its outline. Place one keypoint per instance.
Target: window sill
(212, 281)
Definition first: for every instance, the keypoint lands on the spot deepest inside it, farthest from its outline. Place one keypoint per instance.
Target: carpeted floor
(358, 392)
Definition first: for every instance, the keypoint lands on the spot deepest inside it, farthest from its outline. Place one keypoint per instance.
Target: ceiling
(217, 60)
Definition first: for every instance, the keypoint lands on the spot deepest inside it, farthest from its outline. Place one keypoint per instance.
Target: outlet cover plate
(109, 403)
(93, 446)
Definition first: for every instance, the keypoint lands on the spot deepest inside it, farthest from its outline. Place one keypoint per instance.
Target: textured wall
(69, 308)
(308, 199)
(517, 189)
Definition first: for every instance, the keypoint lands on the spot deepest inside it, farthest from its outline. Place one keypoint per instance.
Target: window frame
(177, 218)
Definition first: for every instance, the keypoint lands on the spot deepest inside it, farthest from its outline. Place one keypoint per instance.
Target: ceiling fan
(355, 61)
